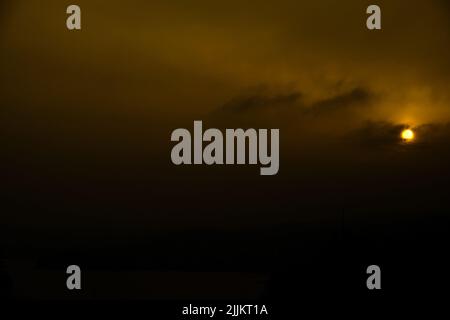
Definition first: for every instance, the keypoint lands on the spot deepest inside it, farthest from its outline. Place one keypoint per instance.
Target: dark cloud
(388, 134)
(342, 102)
(358, 97)
(378, 134)
(433, 134)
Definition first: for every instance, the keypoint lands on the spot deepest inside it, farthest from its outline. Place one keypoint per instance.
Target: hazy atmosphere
(86, 119)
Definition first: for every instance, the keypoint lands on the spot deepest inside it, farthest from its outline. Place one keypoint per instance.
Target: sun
(407, 135)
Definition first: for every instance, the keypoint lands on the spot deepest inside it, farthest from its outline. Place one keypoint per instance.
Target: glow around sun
(407, 135)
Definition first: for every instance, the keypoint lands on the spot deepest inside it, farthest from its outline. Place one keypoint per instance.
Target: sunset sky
(85, 165)
(88, 114)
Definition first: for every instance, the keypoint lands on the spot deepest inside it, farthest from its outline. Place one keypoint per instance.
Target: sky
(87, 116)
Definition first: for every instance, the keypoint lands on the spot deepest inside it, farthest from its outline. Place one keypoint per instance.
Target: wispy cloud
(388, 134)
(356, 98)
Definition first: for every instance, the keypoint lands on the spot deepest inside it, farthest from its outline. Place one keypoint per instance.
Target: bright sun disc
(407, 134)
